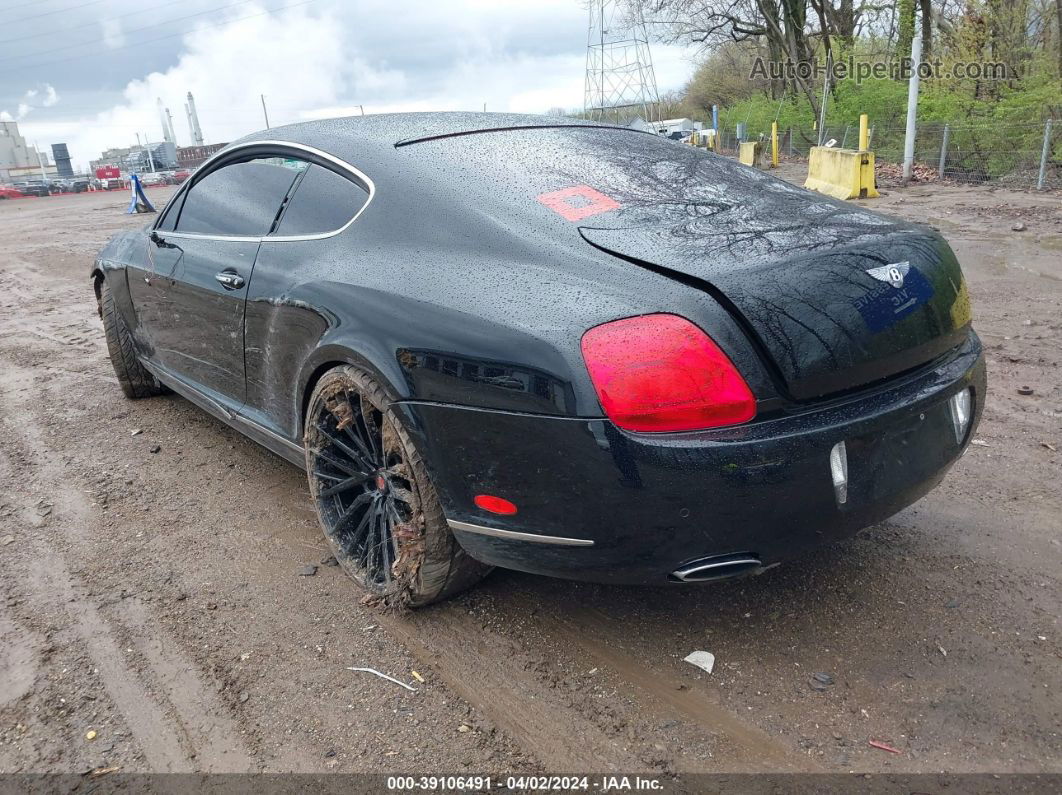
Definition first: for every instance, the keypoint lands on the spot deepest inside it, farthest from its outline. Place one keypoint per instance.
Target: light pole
(40, 162)
(912, 106)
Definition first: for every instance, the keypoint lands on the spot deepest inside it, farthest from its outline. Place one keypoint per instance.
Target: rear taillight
(659, 373)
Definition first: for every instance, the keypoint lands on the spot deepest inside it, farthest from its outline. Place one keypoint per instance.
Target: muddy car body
(558, 347)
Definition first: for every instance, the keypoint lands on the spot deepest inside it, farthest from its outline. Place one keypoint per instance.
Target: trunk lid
(835, 296)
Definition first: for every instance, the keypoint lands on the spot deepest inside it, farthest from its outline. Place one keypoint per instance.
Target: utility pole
(40, 162)
(825, 97)
(264, 111)
(145, 148)
(912, 107)
(619, 67)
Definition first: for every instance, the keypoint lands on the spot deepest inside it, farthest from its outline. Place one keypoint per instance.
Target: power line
(91, 24)
(23, 5)
(136, 30)
(57, 11)
(159, 38)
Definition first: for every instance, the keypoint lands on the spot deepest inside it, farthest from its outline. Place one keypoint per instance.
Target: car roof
(393, 130)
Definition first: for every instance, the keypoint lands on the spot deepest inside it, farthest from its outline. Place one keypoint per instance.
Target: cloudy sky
(87, 72)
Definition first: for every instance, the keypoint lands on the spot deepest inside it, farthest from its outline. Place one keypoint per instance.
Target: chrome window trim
(513, 535)
(342, 164)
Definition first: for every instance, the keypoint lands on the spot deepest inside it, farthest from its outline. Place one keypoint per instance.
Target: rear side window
(241, 199)
(323, 202)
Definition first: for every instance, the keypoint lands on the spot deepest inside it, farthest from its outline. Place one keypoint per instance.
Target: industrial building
(18, 160)
(194, 156)
(151, 157)
(61, 154)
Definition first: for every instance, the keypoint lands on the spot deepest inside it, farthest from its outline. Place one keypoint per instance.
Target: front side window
(168, 221)
(324, 201)
(241, 199)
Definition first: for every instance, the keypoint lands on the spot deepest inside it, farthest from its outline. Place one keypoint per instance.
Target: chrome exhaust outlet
(718, 567)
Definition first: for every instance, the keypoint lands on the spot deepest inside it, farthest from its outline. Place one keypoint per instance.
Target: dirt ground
(153, 616)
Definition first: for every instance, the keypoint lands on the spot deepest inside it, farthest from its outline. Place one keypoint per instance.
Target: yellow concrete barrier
(749, 153)
(841, 173)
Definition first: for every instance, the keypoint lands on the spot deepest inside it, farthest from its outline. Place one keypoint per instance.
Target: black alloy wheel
(373, 498)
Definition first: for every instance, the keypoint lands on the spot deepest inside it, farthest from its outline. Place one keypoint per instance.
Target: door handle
(230, 280)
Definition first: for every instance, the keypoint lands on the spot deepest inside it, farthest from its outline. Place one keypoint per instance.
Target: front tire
(374, 499)
(135, 380)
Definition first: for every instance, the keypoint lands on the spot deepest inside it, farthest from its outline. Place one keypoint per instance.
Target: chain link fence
(973, 153)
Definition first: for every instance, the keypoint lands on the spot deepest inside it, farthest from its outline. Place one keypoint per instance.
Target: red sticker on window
(578, 203)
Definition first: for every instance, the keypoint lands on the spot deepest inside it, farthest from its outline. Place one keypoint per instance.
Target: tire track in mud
(488, 673)
(178, 724)
(491, 672)
(747, 746)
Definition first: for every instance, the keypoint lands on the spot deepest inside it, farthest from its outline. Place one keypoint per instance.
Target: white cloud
(325, 59)
(296, 60)
(28, 103)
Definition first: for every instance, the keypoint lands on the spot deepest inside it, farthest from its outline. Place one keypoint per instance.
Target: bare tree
(780, 24)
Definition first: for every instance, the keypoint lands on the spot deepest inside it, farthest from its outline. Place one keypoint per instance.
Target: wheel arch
(327, 358)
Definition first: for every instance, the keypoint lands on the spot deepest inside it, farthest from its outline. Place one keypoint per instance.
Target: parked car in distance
(10, 192)
(33, 188)
(180, 175)
(152, 178)
(556, 346)
(80, 184)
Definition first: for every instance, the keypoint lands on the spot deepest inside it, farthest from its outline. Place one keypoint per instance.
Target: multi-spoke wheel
(374, 500)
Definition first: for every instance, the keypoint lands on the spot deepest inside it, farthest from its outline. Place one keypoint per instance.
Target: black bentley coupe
(550, 345)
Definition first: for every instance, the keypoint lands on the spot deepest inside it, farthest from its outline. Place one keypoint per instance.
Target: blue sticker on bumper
(885, 305)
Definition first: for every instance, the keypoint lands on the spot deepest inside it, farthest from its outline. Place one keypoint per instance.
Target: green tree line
(733, 36)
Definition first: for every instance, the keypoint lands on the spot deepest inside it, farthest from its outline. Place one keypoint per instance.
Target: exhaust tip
(717, 567)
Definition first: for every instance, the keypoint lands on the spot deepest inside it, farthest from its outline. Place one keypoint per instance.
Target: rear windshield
(594, 176)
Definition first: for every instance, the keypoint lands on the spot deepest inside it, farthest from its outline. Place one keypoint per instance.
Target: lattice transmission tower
(620, 83)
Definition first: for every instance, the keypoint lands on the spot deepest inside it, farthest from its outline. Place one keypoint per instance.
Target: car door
(286, 315)
(190, 299)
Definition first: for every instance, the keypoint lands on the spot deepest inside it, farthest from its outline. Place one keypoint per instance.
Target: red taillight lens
(660, 373)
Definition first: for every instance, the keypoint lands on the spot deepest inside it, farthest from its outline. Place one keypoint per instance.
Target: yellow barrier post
(774, 144)
(841, 173)
(749, 153)
(844, 173)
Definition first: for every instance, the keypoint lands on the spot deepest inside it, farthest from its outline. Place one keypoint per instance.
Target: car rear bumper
(596, 503)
